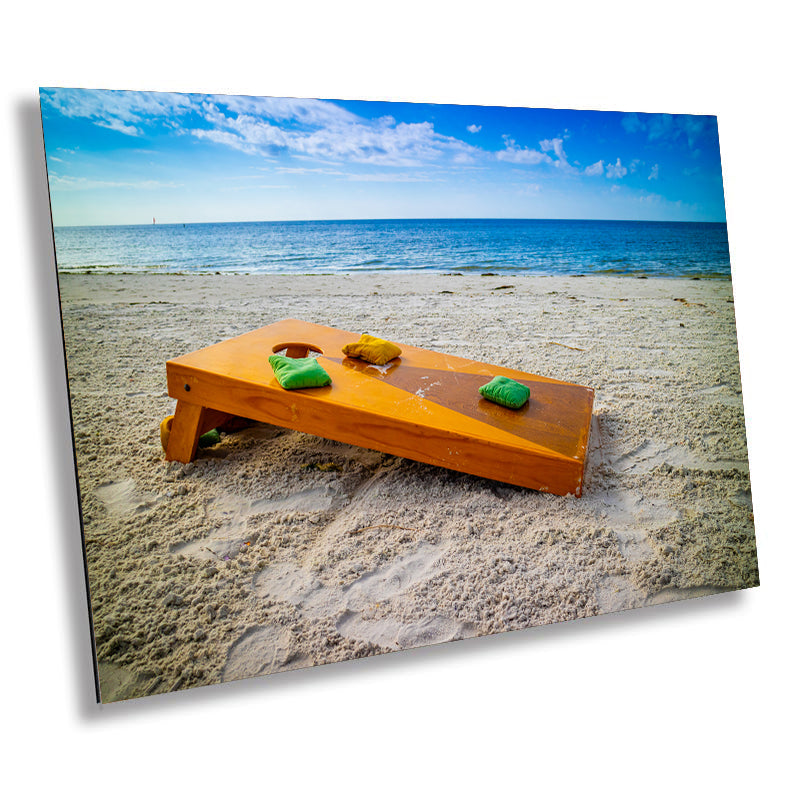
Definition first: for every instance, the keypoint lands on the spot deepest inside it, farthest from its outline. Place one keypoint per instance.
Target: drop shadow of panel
(48, 346)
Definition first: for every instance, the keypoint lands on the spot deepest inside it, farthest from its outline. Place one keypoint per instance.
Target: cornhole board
(422, 405)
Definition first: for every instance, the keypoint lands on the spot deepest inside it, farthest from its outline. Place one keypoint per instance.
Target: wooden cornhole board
(423, 406)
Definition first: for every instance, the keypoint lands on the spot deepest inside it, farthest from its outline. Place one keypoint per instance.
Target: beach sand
(276, 550)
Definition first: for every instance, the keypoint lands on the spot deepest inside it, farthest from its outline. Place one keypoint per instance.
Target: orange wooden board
(423, 405)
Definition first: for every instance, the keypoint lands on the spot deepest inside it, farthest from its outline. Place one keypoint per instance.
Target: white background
(692, 699)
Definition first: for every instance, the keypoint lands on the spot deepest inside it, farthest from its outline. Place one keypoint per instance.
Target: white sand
(276, 549)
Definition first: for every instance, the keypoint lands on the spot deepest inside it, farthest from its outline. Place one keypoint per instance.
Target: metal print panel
(586, 247)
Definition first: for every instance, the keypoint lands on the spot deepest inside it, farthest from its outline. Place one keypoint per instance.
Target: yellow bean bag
(369, 348)
(166, 427)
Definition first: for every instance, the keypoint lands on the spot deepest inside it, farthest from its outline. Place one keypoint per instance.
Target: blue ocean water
(503, 246)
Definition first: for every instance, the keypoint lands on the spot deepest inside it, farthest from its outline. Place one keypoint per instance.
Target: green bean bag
(505, 392)
(298, 373)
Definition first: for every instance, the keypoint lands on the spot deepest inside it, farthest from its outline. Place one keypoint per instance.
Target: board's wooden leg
(185, 432)
(189, 423)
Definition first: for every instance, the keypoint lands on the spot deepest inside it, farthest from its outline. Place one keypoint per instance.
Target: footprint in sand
(122, 497)
(319, 498)
(381, 585)
(123, 683)
(650, 455)
(389, 632)
(291, 583)
(262, 651)
(211, 548)
(617, 593)
(722, 393)
(235, 513)
(670, 595)
(631, 515)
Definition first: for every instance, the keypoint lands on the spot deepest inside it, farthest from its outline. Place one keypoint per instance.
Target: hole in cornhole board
(297, 349)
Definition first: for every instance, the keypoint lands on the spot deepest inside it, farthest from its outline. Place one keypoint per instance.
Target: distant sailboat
(154, 220)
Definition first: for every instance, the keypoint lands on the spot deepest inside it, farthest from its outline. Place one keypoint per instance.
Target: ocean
(502, 246)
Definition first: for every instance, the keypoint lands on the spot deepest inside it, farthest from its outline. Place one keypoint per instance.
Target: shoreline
(276, 550)
(157, 271)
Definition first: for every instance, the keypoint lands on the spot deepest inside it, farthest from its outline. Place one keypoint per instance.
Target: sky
(126, 157)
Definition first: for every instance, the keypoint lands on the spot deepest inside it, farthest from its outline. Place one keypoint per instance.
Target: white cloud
(653, 176)
(556, 146)
(616, 170)
(525, 155)
(285, 109)
(595, 169)
(304, 129)
(226, 138)
(117, 110)
(120, 127)
(342, 137)
(522, 155)
(265, 125)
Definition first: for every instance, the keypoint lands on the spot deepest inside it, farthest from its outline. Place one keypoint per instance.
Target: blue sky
(123, 157)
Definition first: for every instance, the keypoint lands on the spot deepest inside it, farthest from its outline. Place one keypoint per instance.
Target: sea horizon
(396, 219)
(505, 245)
